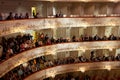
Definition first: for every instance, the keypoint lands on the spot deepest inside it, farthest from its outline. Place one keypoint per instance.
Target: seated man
(118, 57)
(1, 17)
(112, 37)
(96, 37)
(10, 16)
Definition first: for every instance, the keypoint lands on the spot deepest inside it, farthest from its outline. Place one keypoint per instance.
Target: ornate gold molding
(13, 26)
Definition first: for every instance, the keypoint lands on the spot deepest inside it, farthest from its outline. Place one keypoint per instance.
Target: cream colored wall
(46, 8)
(91, 31)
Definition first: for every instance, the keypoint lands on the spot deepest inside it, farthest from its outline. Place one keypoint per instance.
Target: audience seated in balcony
(36, 16)
(26, 16)
(25, 42)
(59, 14)
(118, 57)
(112, 37)
(21, 16)
(96, 37)
(42, 62)
(10, 16)
(1, 17)
(16, 16)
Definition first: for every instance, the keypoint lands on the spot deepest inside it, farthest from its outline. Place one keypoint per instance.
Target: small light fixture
(82, 69)
(110, 49)
(108, 67)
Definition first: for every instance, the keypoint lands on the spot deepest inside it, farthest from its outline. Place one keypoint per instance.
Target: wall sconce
(108, 67)
(82, 69)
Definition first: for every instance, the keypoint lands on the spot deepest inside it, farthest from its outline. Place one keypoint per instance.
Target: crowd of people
(39, 63)
(15, 45)
(16, 16)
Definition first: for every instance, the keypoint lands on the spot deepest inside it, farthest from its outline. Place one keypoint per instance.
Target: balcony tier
(25, 56)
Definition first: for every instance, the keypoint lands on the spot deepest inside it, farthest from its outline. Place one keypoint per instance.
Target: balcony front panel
(13, 26)
(25, 56)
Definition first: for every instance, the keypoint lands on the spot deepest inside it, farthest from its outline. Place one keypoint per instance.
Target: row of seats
(15, 45)
(40, 63)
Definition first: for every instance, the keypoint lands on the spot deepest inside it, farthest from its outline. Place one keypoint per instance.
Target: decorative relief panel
(13, 26)
(25, 56)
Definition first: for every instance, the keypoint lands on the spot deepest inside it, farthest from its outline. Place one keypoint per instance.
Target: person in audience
(72, 78)
(46, 37)
(20, 72)
(37, 44)
(86, 37)
(20, 16)
(112, 37)
(82, 59)
(26, 16)
(104, 38)
(59, 14)
(9, 52)
(92, 56)
(48, 42)
(96, 37)
(16, 16)
(77, 60)
(1, 17)
(118, 57)
(37, 15)
(74, 38)
(87, 77)
(10, 16)
(52, 40)
(90, 38)
(33, 68)
(33, 13)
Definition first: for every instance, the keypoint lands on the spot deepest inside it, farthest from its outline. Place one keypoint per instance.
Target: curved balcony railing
(25, 56)
(51, 72)
(13, 26)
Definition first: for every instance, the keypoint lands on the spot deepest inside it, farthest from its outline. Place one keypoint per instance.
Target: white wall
(46, 8)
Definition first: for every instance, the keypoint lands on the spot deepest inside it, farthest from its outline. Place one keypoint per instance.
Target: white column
(54, 33)
(94, 31)
(81, 31)
(68, 29)
(54, 9)
(96, 9)
(109, 9)
(108, 31)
